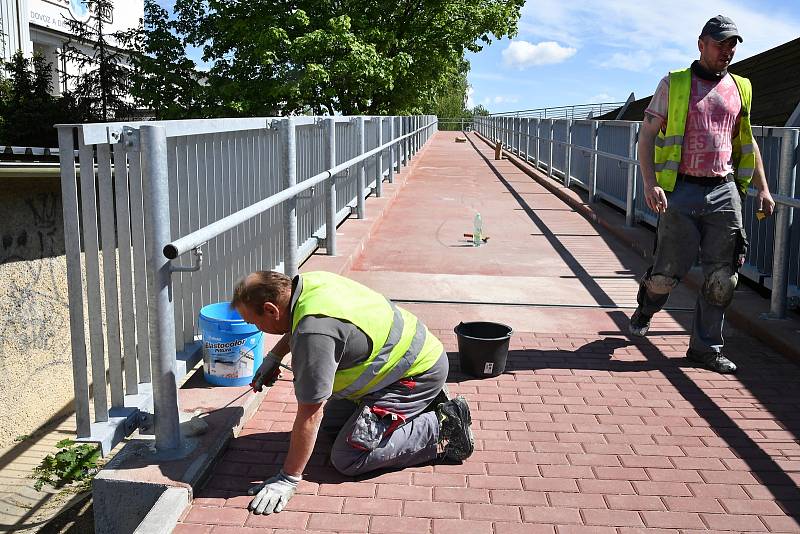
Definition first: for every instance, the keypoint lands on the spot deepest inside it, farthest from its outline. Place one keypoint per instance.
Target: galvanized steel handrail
(191, 241)
(511, 132)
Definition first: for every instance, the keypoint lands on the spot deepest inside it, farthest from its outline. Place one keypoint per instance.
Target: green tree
(163, 79)
(28, 108)
(101, 90)
(350, 56)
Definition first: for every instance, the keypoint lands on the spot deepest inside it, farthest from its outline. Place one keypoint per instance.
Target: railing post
(552, 147)
(379, 159)
(783, 222)
(153, 141)
(289, 171)
(392, 137)
(330, 187)
(630, 196)
(417, 124)
(72, 246)
(361, 169)
(568, 155)
(593, 162)
(536, 124)
(403, 131)
(397, 128)
(527, 139)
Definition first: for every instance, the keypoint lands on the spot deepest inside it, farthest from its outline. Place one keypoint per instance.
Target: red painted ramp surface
(587, 430)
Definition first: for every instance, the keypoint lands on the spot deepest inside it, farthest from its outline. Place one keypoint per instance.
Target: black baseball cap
(720, 28)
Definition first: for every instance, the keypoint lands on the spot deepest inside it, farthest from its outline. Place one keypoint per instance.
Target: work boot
(440, 398)
(712, 360)
(454, 429)
(640, 323)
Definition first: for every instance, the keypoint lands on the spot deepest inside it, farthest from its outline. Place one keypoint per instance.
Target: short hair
(260, 287)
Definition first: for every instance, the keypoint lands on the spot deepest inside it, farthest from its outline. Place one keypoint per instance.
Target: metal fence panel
(212, 169)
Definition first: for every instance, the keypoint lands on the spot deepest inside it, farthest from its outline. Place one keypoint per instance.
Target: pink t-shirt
(712, 121)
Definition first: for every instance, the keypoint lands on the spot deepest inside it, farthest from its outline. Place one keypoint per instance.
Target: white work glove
(267, 373)
(273, 494)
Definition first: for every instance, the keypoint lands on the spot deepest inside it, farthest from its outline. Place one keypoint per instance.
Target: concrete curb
(747, 308)
(164, 515)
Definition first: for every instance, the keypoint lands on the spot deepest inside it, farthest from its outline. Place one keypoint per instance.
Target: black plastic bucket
(483, 347)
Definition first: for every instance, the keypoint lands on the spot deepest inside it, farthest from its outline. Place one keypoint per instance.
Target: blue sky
(576, 52)
(579, 52)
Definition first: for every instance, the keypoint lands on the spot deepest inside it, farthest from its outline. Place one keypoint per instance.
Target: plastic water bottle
(477, 231)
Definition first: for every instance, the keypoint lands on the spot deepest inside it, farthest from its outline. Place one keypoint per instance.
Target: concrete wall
(35, 364)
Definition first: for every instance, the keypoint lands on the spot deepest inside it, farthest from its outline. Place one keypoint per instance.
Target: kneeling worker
(349, 343)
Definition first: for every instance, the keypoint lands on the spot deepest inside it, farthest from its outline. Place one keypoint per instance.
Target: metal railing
(577, 111)
(600, 157)
(242, 194)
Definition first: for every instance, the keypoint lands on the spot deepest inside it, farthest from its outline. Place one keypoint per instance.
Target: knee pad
(659, 284)
(719, 286)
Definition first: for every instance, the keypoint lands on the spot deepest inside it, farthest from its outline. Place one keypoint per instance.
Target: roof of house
(776, 86)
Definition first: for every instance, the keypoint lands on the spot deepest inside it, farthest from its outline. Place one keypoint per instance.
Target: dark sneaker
(440, 398)
(640, 323)
(454, 430)
(712, 360)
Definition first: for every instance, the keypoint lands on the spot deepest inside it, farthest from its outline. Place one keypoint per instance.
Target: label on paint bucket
(231, 359)
(487, 369)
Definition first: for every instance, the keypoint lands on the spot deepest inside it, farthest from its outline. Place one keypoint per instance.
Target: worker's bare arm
(304, 435)
(281, 348)
(655, 197)
(764, 199)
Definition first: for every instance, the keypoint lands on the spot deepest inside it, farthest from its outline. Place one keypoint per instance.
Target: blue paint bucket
(232, 348)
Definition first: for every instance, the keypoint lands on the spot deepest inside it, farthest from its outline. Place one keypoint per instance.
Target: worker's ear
(271, 310)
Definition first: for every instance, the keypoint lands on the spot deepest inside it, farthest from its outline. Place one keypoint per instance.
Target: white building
(40, 25)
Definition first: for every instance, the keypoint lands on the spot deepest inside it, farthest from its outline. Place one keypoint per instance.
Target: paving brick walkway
(586, 431)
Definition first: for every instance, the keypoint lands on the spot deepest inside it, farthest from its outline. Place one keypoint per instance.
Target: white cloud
(666, 32)
(522, 54)
(637, 61)
(499, 99)
(601, 98)
(470, 101)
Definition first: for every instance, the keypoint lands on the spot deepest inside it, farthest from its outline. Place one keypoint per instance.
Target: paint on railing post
(630, 196)
(593, 162)
(330, 187)
(153, 141)
(783, 222)
(361, 177)
(289, 172)
(568, 155)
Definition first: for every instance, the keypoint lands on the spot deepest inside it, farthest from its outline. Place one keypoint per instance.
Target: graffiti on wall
(33, 304)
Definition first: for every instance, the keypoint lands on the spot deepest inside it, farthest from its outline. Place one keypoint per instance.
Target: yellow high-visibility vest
(401, 345)
(668, 144)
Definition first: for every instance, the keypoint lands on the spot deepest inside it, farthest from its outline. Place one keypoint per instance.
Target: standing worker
(351, 344)
(698, 156)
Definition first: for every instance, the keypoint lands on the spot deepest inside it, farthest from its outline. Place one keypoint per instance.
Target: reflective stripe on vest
(401, 345)
(668, 144)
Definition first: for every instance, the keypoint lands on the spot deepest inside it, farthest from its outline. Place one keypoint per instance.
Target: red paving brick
(587, 431)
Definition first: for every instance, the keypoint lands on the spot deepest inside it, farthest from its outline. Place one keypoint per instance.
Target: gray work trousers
(708, 218)
(388, 428)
